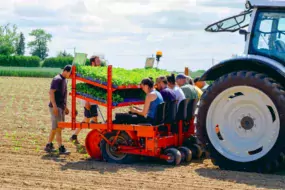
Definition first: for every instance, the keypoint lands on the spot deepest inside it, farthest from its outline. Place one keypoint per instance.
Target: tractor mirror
(243, 32)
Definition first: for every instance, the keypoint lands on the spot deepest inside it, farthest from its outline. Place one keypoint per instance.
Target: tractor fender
(256, 63)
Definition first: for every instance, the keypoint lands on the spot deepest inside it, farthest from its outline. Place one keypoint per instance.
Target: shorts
(92, 112)
(56, 119)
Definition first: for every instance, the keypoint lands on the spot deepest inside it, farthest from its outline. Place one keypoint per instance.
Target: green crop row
(118, 96)
(120, 76)
(29, 72)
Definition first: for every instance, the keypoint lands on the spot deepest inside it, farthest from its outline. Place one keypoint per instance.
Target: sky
(128, 31)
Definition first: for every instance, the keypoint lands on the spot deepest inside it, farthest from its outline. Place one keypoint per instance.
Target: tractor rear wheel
(111, 154)
(241, 121)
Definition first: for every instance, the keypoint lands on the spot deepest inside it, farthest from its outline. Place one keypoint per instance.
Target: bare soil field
(24, 127)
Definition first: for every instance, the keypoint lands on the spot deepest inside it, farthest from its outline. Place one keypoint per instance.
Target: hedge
(19, 61)
(59, 62)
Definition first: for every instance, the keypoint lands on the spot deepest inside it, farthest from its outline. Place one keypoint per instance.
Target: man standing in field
(90, 109)
(58, 109)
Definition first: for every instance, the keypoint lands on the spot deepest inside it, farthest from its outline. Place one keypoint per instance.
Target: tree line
(13, 42)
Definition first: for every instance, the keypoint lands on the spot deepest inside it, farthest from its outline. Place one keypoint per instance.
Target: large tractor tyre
(111, 154)
(241, 121)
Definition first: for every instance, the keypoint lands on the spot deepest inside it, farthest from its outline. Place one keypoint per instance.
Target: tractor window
(263, 42)
(281, 27)
(268, 36)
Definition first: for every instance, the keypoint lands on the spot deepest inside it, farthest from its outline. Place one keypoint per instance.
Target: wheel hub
(112, 151)
(247, 123)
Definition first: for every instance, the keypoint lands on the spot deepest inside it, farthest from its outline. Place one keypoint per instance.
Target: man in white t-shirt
(90, 109)
(177, 90)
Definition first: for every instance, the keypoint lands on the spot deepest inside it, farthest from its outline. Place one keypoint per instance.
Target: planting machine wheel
(241, 121)
(186, 154)
(92, 144)
(110, 153)
(196, 151)
(175, 156)
(191, 143)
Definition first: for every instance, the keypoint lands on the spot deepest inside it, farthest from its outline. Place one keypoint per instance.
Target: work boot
(74, 140)
(49, 148)
(62, 150)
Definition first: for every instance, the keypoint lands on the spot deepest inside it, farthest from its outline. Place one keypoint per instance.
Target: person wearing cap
(58, 108)
(90, 109)
(188, 90)
(167, 93)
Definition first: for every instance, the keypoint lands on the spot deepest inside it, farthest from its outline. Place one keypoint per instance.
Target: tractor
(241, 116)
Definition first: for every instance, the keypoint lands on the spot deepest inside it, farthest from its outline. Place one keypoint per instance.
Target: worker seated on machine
(147, 114)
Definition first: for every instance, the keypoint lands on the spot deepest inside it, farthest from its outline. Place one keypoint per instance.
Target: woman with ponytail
(152, 100)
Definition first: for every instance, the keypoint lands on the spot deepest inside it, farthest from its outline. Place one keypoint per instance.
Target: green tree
(39, 47)
(20, 46)
(8, 39)
(64, 54)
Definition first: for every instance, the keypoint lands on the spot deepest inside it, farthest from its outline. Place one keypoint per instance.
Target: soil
(24, 127)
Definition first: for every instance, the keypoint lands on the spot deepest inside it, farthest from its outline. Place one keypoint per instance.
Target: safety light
(158, 55)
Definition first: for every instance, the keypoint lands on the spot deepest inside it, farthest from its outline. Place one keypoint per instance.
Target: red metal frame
(73, 99)
(109, 100)
(154, 141)
(91, 82)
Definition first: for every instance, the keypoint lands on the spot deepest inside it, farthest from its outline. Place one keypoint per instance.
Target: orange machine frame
(154, 141)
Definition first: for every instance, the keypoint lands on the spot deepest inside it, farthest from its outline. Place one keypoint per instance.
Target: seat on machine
(180, 115)
(159, 116)
(131, 118)
(182, 110)
(191, 107)
(170, 112)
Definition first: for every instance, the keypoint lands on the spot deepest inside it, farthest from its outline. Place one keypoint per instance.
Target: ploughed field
(24, 127)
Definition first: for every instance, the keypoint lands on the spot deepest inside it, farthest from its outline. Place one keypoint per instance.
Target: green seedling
(38, 149)
(6, 135)
(17, 148)
(86, 156)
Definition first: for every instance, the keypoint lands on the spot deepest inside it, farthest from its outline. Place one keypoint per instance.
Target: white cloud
(127, 31)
